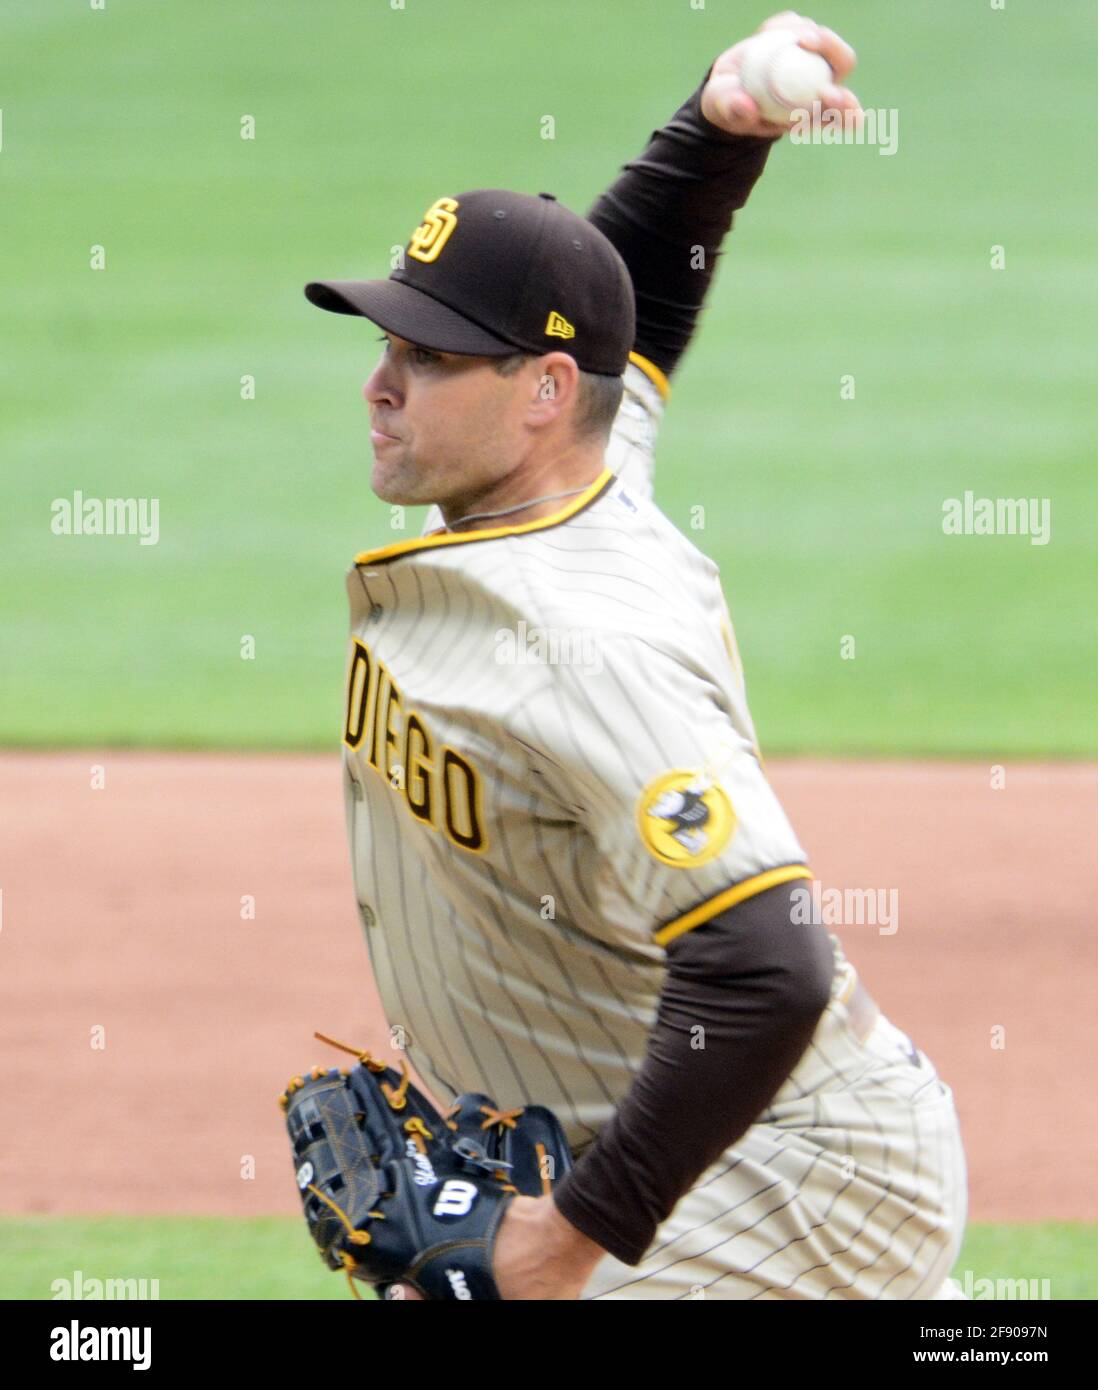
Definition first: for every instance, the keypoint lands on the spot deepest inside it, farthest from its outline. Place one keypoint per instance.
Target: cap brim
(409, 313)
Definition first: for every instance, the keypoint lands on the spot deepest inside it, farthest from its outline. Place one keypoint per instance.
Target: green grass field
(121, 129)
(274, 1259)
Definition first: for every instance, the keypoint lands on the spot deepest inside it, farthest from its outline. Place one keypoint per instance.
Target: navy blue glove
(394, 1192)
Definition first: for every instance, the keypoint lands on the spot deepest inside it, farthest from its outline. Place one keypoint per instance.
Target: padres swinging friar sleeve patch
(657, 757)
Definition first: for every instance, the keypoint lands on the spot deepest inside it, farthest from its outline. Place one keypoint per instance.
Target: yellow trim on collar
(729, 898)
(653, 373)
(389, 552)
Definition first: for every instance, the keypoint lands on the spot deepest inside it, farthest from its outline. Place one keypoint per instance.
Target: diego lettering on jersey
(439, 786)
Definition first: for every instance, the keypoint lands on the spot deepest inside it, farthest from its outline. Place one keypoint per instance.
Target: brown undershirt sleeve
(668, 214)
(755, 982)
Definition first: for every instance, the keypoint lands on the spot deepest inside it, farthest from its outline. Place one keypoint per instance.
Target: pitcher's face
(444, 426)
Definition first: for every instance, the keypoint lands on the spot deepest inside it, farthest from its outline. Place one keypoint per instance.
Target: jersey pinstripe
(569, 667)
(550, 771)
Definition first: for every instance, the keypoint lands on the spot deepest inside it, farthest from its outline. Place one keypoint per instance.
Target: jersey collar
(442, 538)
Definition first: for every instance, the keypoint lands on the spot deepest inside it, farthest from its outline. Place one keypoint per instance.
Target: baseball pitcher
(578, 888)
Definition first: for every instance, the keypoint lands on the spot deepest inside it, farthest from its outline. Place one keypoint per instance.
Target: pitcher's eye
(421, 356)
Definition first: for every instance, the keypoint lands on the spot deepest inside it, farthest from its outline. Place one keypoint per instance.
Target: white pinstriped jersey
(550, 771)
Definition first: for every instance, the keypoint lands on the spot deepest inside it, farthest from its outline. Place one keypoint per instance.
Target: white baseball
(781, 76)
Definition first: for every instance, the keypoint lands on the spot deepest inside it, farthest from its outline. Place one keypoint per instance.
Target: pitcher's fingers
(839, 98)
(747, 110)
(829, 45)
(732, 101)
(735, 111)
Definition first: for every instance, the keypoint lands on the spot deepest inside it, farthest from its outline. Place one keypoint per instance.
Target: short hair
(598, 399)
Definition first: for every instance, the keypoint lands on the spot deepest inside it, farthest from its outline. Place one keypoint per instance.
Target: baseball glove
(395, 1192)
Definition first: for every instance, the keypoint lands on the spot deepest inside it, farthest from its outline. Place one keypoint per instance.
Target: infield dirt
(122, 912)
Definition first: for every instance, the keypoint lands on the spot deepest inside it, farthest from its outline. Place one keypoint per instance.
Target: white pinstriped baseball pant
(857, 1189)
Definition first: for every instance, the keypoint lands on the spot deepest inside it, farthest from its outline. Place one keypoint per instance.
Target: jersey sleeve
(631, 450)
(655, 758)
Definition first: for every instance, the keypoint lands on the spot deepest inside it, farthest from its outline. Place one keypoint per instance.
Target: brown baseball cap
(490, 272)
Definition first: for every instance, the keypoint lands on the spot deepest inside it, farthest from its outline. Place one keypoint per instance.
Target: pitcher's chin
(390, 485)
